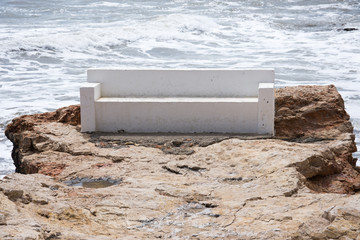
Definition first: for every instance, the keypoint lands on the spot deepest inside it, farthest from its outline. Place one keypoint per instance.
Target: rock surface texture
(301, 184)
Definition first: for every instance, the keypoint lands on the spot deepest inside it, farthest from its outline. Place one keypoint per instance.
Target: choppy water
(46, 46)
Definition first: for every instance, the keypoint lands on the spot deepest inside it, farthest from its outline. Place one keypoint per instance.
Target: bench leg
(89, 93)
(266, 109)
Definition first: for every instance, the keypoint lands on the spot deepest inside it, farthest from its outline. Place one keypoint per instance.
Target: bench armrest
(89, 93)
(266, 108)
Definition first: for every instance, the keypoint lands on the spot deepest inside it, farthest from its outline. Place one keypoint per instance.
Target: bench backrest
(180, 83)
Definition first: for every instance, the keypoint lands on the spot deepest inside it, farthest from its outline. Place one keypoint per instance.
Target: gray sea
(46, 46)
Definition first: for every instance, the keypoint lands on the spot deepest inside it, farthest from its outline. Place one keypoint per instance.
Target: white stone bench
(183, 101)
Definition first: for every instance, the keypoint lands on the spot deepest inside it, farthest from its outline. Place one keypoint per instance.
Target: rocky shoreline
(301, 184)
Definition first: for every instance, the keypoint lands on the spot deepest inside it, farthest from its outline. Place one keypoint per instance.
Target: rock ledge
(302, 184)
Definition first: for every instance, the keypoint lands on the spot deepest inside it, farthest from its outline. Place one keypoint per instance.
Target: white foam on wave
(162, 28)
(108, 4)
(6, 166)
(244, 42)
(323, 6)
(192, 33)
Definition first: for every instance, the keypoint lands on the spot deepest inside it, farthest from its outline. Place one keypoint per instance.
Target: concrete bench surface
(186, 101)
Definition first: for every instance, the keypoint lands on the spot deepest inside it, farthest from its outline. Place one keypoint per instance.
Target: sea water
(46, 46)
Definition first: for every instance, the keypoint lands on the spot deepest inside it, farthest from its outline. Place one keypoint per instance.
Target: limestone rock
(302, 184)
(315, 112)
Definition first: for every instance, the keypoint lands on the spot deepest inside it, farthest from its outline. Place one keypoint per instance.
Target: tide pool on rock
(92, 183)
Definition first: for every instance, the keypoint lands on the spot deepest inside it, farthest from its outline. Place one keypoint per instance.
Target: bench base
(176, 100)
(181, 115)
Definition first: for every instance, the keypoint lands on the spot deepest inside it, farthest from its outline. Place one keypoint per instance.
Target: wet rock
(348, 29)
